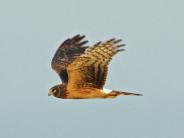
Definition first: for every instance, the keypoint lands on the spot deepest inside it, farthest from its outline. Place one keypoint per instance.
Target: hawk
(83, 69)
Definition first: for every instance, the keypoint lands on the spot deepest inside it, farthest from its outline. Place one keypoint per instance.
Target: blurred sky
(30, 32)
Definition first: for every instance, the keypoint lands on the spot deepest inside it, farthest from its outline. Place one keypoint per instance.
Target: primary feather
(66, 53)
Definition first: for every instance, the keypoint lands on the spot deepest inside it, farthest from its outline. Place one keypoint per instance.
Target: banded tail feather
(125, 93)
(113, 93)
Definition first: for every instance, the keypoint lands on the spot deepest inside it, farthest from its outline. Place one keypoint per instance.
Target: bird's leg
(112, 95)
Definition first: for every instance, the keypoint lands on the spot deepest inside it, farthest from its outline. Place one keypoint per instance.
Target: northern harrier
(83, 69)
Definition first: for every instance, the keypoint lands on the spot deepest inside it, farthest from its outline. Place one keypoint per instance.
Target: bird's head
(56, 91)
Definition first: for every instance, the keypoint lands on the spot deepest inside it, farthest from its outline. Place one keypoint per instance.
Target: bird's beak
(50, 93)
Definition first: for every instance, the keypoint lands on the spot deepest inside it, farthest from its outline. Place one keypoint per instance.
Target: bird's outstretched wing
(66, 53)
(90, 69)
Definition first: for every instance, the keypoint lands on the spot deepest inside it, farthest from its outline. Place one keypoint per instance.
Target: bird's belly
(85, 94)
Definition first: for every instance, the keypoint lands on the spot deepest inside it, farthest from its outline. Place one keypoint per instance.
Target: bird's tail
(116, 93)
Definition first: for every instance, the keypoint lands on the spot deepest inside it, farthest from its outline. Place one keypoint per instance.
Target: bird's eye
(54, 90)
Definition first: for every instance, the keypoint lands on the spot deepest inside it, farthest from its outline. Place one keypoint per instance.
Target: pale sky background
(30, 32)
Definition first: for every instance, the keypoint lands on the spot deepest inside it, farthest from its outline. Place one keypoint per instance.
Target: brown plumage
(83, 70)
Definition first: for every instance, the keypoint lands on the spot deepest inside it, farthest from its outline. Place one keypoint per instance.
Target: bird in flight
(83, 69)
